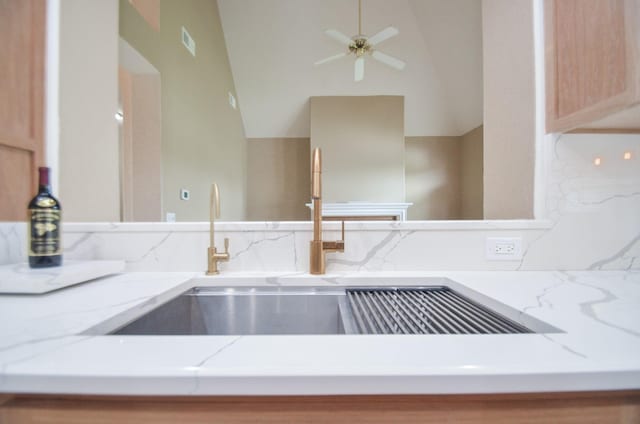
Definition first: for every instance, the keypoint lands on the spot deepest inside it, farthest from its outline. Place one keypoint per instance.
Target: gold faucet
(318, 247)
(213, 257)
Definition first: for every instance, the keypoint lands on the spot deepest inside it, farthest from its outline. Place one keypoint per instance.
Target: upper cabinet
(592, 65)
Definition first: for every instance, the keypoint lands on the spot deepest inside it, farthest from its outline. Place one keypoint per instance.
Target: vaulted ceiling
(272, 45)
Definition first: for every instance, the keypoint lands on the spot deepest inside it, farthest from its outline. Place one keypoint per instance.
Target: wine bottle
(44, 232)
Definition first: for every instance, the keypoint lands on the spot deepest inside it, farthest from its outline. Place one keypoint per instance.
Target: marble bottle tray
(20, 279)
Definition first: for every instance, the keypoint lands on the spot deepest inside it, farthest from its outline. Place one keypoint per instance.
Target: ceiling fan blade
(388, 60)
(339, 37)
(330, 58)
(358, 74)
(385, 34)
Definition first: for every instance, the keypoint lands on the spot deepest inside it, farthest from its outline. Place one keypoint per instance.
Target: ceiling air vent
(188, 41)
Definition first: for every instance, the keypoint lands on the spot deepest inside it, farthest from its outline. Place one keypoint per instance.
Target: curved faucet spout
(316, 174)
(316, 193)
(214, 211)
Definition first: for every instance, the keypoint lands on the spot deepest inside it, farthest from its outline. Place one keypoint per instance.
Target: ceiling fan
(360, 44)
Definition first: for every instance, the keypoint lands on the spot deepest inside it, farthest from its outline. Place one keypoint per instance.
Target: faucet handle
(334, 246)
(226, 245)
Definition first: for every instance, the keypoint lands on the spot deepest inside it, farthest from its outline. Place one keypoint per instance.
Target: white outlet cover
(171, 217)
(184, 194)
(503, 248)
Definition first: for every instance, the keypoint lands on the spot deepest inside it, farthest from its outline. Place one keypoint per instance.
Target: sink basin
(330, 310)
(247, 311)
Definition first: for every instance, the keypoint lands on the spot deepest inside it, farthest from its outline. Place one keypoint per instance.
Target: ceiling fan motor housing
(359, 46)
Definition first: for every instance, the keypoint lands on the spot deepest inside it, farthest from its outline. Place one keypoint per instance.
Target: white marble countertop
(21, 279)
(43, 349)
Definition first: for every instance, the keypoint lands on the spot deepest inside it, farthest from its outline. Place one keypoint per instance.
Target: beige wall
(202, 136)
(443, 177)
(89, 174)
(433, 167)
(509, 108)
(471, 146)
(141, 160)
(362, 142)
(278, 179)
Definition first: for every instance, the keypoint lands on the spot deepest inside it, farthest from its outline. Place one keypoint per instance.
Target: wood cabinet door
(22, 31)
(591, 60)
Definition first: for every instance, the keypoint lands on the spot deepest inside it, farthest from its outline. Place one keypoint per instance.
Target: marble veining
(196, 369)
(627, 253)
(598, 314)
(541, 300)
(588, 308)
(360, 264)
(259, 239)
(590, 221)
(152, 252)
(586, 206)
(13, 237)
(564, 346)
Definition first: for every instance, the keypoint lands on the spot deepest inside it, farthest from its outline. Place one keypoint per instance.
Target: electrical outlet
(503, 248)
(171, 217)
(184, 194)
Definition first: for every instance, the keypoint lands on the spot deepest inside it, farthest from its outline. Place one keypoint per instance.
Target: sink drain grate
(425, 310)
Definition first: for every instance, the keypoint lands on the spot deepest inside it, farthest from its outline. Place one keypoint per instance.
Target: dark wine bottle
(44, 232)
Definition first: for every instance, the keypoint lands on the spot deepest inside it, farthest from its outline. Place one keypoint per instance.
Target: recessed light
(627, 155)
(597, 161)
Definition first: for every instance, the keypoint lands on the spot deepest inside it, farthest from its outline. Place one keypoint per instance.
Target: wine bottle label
(44, 233)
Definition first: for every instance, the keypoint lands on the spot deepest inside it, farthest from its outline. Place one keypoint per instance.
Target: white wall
(452, 32)
(433, 177)
(278, 179)
(52, 76)
(273, 44)
(88, 99)
(472, 172)
(509, 108)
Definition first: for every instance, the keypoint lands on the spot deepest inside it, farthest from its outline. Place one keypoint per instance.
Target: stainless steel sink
(247, 311)
(329, 310)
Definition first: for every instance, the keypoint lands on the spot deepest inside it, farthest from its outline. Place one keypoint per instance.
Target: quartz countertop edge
(50, 343)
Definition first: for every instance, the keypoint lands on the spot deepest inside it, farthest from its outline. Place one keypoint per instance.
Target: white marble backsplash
(284, 247)
(13, 239)
(592, 222)
(595, 210)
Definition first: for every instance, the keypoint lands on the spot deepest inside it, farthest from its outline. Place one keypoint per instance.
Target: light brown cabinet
(615, 407)
(22, 31)
(592, 65)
